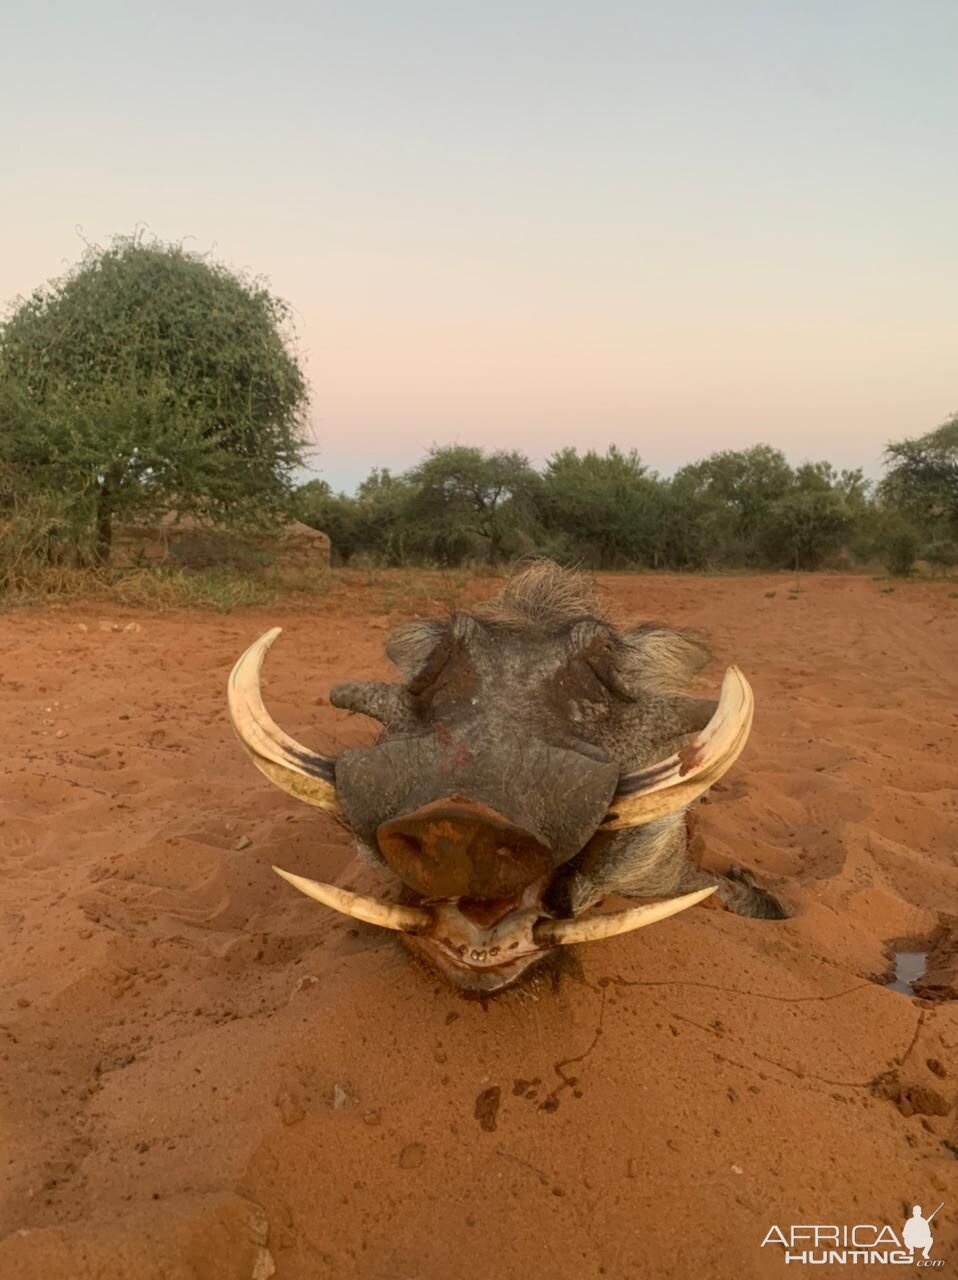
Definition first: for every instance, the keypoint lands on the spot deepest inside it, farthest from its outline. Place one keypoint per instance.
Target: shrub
(149, 379)
(943, 553)
(900, 549)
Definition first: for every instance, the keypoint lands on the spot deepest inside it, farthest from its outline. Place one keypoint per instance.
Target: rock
(412, 1156)
(242, 843)
(487, 1108)
(290, 1107)
(264, 1266)
(304, 983)
(257, 1225)
(194, 543)
(258, 1228)
(922, 1100)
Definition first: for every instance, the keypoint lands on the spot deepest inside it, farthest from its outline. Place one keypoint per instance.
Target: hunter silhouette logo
(865, 1242)
(916, 1232)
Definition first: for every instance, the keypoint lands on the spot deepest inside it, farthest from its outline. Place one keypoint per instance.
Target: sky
(679, 226)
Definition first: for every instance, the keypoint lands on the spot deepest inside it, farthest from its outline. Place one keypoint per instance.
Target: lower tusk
(387, 915)
(562, 933)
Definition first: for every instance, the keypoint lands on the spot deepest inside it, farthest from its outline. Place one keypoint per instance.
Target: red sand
(203, 1074)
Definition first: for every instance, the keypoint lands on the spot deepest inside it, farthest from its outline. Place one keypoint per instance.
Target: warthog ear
(422, 650)
(658, 660)
(648, 660)
(410, 646)
(596, 644)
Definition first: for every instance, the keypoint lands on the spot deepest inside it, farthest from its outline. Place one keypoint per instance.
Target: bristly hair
(650, 658)
(542, 594)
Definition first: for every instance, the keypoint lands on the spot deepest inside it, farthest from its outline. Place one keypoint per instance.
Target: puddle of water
(909, 967)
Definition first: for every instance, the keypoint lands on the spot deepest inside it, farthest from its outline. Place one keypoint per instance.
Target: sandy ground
(203, 1074)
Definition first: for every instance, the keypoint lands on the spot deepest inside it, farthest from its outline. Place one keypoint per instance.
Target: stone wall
(189, 543)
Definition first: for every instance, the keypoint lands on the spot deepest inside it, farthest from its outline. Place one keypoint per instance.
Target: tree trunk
(104, 522)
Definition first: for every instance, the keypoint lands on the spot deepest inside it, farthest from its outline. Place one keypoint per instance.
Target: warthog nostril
(461, 848)
(411, 844)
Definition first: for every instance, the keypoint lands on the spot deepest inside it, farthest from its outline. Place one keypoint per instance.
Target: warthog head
(522, 736)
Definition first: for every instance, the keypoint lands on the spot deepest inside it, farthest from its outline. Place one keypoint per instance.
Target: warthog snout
(458, 848)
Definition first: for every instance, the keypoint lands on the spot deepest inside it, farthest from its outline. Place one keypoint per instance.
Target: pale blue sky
(678, 226)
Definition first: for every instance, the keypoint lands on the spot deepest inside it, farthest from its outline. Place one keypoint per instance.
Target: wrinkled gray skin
(533, 705)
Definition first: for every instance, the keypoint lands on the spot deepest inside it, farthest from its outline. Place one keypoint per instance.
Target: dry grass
(218, 589)
(400, 591)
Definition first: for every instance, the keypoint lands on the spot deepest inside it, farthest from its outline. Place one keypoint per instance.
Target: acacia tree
(147, 379)
(461, 493)
(608, 506)
(922, 477)
(735, 490)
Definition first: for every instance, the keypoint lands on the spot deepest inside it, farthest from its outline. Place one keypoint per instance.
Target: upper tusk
(308, 775)
(672, 784)
(370, 910)
(561, 933)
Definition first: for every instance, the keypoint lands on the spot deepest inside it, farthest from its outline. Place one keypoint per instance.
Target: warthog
(534, 760)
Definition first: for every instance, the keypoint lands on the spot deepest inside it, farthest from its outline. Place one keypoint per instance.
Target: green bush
(151, 379)
(804, 527)
(37, 531)
(943, 553)
(900, 546)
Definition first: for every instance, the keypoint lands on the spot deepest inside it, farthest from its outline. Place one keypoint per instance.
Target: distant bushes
(941, 554)
(747, 509)
(900, 548)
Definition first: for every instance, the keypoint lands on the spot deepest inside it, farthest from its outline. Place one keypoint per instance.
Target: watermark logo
(864, 1243)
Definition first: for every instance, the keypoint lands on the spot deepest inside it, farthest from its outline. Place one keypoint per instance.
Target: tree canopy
(732, 509)
(462, 496)
(922, 477)
(606, 504)
(149, 378)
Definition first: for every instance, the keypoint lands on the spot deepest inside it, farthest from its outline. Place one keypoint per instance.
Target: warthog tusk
(562, 933)
(672, 784)
(305, 774)
(370, 910)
